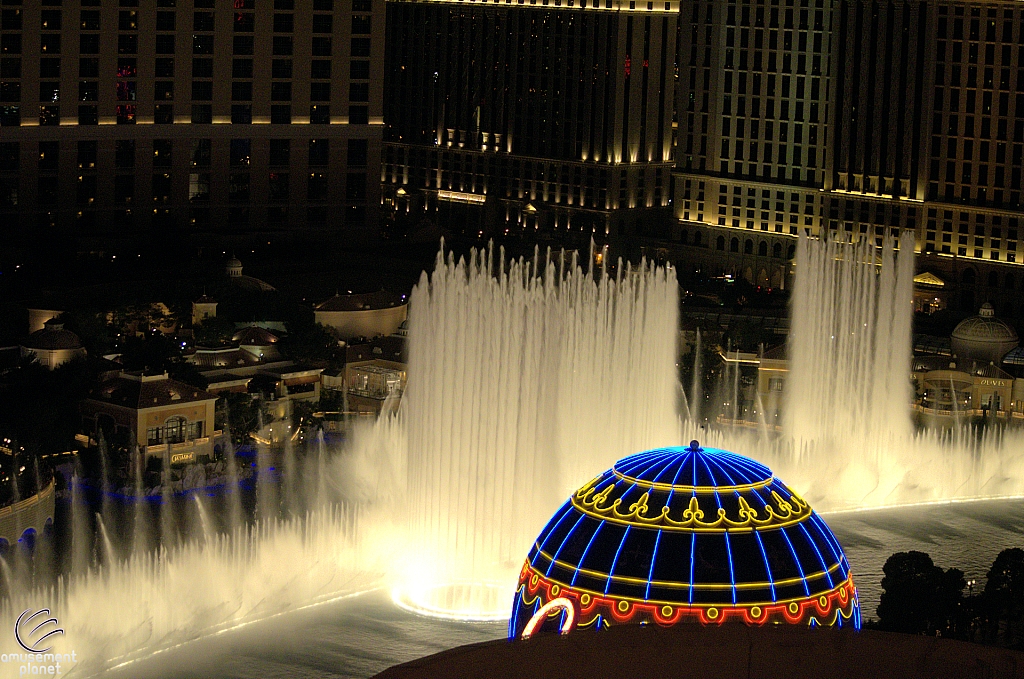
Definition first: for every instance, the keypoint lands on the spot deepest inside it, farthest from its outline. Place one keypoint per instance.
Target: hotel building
(540, 118)
(858, 118)
(137, 119)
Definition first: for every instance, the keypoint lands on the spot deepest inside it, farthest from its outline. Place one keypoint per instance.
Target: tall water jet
(168, 533)
(523, 379)
(232, 490)
(140, 523)
(696, 395)
(81, 533)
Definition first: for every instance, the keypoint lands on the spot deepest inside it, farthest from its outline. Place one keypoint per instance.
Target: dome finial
(695, 445)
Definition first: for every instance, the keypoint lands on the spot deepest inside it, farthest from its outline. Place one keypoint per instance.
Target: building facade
(119, 118)
(546, 118)
(858, 118)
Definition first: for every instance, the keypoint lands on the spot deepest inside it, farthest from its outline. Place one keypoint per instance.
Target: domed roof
(234, 262)
(254, 336)
(983, 337)
(685, 534)
(53, 337)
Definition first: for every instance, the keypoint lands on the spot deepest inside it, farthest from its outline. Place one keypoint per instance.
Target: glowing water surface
(362, 636)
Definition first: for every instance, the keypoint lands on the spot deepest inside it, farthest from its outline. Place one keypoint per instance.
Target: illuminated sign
(460, 197)
(992, 383)
(182, 458)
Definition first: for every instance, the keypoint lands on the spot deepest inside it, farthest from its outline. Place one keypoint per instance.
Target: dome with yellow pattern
(684, 534)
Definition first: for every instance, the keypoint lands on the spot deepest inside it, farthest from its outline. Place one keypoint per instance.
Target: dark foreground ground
(728, 652)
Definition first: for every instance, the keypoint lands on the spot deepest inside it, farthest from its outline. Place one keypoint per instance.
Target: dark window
(10, 20)
(323, 5)
(241, 91)
(10, 116)
(245, 22)
(284, 23)
(238, 187)
(202, 44)
(124, 154)
(202, 68)
(278, 186)
(355, 186)
(49, 155)
(10, 68)
(241, 114)
(316, 189)
(319, 152)
(202, 21)
(360, 47)
(243, 44)
(164, 68)
(163, 90)
(88, 68)
(361, 5)
(89, 43)
(86, 155)
(128, 20)
(320, 91)
(281, 68)
(360, 25)
(124, 188)
(88, 115)
(241, 68)
(165, 21)
(50, 20)
(319, 114)
(280, 91)
(163, 114)
(357, 152)
(128, 44)
(161, 153)
(202, 90)
(10, 43)
(282, 45)
(88, 90)
(165, 44)
(321, 46)
(49, 43)
(280, 114)
(323, 23)
(320, 68)
(202, 113)
(49, 68)
(359, 70)
(89, 20)
(280, 151)
(10, 92)
(201, 152)
(48, 191)
(284, 4)
(359, 92)
(358, 115)
(241, 150)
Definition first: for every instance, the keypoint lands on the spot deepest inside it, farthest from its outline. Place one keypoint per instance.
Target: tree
(213, 331)
(239, 413)
(1004, 594)
(311, 343)
(919, 597)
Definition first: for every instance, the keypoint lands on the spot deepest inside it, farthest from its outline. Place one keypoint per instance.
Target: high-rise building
(123, 118)
(544, 118)
(858, 118)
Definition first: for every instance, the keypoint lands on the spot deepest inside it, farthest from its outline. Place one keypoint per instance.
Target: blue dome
(687, 533)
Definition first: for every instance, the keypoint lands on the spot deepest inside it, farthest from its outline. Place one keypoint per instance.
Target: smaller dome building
(53, 345)
(983, 338)
(677, 535)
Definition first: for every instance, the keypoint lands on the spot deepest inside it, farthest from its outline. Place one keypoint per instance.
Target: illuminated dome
(684, 535)
(983, 337)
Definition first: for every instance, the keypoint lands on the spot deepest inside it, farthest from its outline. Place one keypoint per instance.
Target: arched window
(734, 245)
(720, 243)
(777, 250)
(969, 277)
(762, 248)
(748, 247)
(696, 237)
(683, 236)
(1010, 281)
(790, 251)
(175, 430)
(993, 279)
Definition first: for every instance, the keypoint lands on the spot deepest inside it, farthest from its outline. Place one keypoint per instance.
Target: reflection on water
(362, 636)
